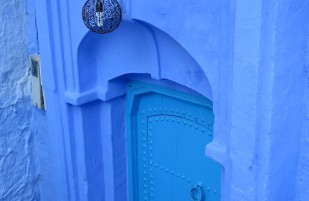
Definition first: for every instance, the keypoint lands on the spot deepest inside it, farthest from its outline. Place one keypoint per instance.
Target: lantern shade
(102, 16)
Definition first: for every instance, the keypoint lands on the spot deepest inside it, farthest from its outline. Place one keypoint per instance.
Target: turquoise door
(171, 164)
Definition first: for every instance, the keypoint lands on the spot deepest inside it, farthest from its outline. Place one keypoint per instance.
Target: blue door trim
(135, 89)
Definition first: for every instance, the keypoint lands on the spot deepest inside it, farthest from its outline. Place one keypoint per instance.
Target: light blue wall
(283, 59)
(19, 125)
(303, 164)
(248, 57)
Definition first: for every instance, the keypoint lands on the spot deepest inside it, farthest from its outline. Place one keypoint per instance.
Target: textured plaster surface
(252, 54)
(303, 165)
(255, 56)
(287, 98)
(18, 164)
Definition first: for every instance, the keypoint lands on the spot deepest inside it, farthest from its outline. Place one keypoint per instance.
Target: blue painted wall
(249, 57)
(20, 122)
(303, 163)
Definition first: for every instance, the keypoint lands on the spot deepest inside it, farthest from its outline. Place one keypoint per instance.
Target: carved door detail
(172, 135)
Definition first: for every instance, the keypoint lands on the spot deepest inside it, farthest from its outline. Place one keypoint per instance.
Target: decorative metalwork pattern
(102, 16)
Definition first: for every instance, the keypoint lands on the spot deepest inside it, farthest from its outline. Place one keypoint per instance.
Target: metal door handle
(196, 193)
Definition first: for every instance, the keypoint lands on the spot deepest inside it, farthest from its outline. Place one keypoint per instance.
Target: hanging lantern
(102, 16)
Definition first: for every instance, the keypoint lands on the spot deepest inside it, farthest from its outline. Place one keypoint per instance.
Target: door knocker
(196, 193)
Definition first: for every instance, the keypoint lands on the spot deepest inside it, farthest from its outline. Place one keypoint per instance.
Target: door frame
(135, 89)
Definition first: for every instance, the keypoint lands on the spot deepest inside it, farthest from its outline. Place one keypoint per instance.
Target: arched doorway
(136, 51)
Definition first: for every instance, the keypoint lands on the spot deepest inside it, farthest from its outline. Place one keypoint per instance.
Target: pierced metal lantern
(102, 16)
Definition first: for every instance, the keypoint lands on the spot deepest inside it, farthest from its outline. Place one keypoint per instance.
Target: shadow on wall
(136, 47)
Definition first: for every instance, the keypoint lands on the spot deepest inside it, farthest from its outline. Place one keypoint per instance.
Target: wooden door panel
(172, 135)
